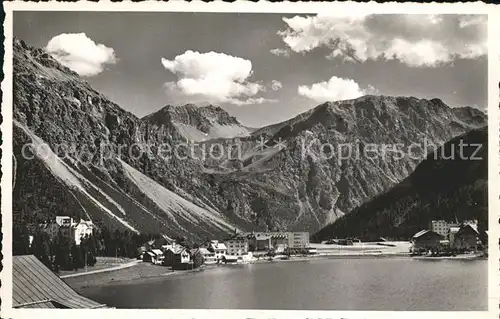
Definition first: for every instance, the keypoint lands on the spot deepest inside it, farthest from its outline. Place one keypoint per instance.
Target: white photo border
(491, 10)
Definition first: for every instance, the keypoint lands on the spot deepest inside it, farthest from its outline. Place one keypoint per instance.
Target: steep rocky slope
(451, 184)
(108, 164)
(93, 164)
(198, 123)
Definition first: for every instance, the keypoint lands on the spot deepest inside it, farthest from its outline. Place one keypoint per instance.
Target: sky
(264, 68)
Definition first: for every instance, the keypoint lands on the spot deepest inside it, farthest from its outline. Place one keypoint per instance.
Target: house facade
(208, 256)
(67, 227)
(64, 221)
(426, 240)
(445, 228)
(298, 240)
(467, 238)
(237, 245)
(279, 241)
(218, 248)
(176, 255)
(82, 229)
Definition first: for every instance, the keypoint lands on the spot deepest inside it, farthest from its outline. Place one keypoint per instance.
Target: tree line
(62, 253)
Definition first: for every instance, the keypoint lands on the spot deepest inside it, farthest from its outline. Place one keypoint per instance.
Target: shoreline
(147, 271)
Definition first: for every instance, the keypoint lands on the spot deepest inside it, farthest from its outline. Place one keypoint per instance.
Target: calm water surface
(327, 284)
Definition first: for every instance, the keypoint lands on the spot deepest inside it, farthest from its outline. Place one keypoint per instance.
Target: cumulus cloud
(334, 89)
(213, 77)
(276, 85)
(280, 52)
(80, 53)
(416, 40)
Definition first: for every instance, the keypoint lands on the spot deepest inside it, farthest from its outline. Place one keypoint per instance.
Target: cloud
(276, 85)
(212, 77)
(79, 53)
(280, 52)
(334, 90)
(416, 40)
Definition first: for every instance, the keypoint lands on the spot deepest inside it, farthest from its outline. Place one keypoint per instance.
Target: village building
(259, 241)
(426, 240)
(154, 256)
(67, 227)
(208, 256)
(444, 228)
(237, 245)
(278, 241)
(217, 247)
(176, 255)
(467, 238)
(298, 240)
(64, 221)
(440, 226)
(82, 229)
(36, 286)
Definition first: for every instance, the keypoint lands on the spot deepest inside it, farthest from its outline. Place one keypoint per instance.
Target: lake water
(326, 284)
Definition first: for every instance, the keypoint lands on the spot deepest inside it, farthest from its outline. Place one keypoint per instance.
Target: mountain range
(450, 184)
(77, 153)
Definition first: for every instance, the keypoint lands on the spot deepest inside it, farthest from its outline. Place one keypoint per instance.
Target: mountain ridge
(450, 184)
(268, 185)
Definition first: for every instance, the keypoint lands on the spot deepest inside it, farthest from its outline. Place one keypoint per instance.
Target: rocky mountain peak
(198, 123)
(286, 185)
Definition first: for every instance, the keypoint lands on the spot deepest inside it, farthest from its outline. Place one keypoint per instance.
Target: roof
(262, 236)
(454, 229)
(219, 246)
(425, 232)
(282, 236)
(468, 226)
(176, 249)
(36, 286)
(204, 251)
(157, 251)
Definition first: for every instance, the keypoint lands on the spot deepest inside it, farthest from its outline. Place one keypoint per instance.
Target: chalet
(176, 255)
(158, 257)
(218, 248)
(148, 256)
(426, 240)
(208, 256)
(467, 238)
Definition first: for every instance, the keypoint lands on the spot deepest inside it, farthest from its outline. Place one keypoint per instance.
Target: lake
(322, 284)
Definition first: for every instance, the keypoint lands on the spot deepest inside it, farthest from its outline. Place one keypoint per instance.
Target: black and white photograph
(331, 161)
